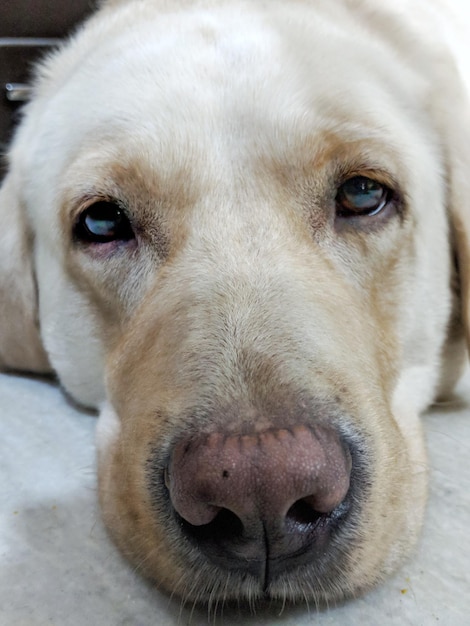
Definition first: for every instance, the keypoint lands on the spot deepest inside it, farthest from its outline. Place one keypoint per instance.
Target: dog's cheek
(124, 504)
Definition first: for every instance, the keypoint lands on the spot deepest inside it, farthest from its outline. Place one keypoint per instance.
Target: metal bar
(17, 92)
(20, 92)
(26, 42)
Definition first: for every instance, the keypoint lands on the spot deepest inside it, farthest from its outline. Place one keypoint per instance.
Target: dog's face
(242, 255)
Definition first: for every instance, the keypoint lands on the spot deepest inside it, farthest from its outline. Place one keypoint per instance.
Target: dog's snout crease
(261, 495)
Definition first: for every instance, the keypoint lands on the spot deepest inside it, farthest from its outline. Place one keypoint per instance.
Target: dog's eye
(361, 196)
(103, 222)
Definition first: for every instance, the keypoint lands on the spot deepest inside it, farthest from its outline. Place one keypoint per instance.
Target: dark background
(28, 28)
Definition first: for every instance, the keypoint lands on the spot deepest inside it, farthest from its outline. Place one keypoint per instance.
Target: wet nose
(253, 498)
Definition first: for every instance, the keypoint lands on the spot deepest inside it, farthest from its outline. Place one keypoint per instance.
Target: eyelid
(377, 174)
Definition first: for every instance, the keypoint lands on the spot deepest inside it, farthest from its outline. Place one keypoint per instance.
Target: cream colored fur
(221, 125)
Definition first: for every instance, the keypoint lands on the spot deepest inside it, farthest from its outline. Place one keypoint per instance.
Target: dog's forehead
(220, 72)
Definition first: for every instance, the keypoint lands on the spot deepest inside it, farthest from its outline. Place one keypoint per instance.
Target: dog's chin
(349, 552)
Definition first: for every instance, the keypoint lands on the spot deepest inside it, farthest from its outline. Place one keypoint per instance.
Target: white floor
(57, 566)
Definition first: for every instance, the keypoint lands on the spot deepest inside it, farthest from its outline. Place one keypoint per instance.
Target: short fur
(224, 128)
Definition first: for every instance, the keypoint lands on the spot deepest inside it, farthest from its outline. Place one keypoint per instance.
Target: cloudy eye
(102, 222)
(361, 196)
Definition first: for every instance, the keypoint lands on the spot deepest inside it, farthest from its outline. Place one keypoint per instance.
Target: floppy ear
(20, 343)
(460, 219)
(457, 141)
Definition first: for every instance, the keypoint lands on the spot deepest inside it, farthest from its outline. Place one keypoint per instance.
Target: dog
(239, 229)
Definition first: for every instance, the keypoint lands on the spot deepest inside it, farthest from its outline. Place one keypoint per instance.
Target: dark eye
(103, 222)
(361, 196)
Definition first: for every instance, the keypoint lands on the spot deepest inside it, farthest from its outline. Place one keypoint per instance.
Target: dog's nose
(262, 498)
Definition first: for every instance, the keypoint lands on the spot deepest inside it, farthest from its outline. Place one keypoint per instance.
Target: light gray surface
(58, 567)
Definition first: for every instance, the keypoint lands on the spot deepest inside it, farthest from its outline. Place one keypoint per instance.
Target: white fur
(234, 118)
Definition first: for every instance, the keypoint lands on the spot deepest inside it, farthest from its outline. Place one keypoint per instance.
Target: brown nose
(268, 495)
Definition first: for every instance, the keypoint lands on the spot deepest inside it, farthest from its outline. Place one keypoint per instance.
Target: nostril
(225, 542)
(302, 517)
(225, 527)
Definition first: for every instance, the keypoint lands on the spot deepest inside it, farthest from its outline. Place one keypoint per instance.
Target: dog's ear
(457, 142)
(20, 343)
(460, 221)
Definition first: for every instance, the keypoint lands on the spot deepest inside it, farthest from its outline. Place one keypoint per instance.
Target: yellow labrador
(232, 227)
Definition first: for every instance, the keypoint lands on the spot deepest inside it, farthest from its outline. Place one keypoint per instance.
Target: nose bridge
(257, 300)
(249, 287)
(246, 252)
